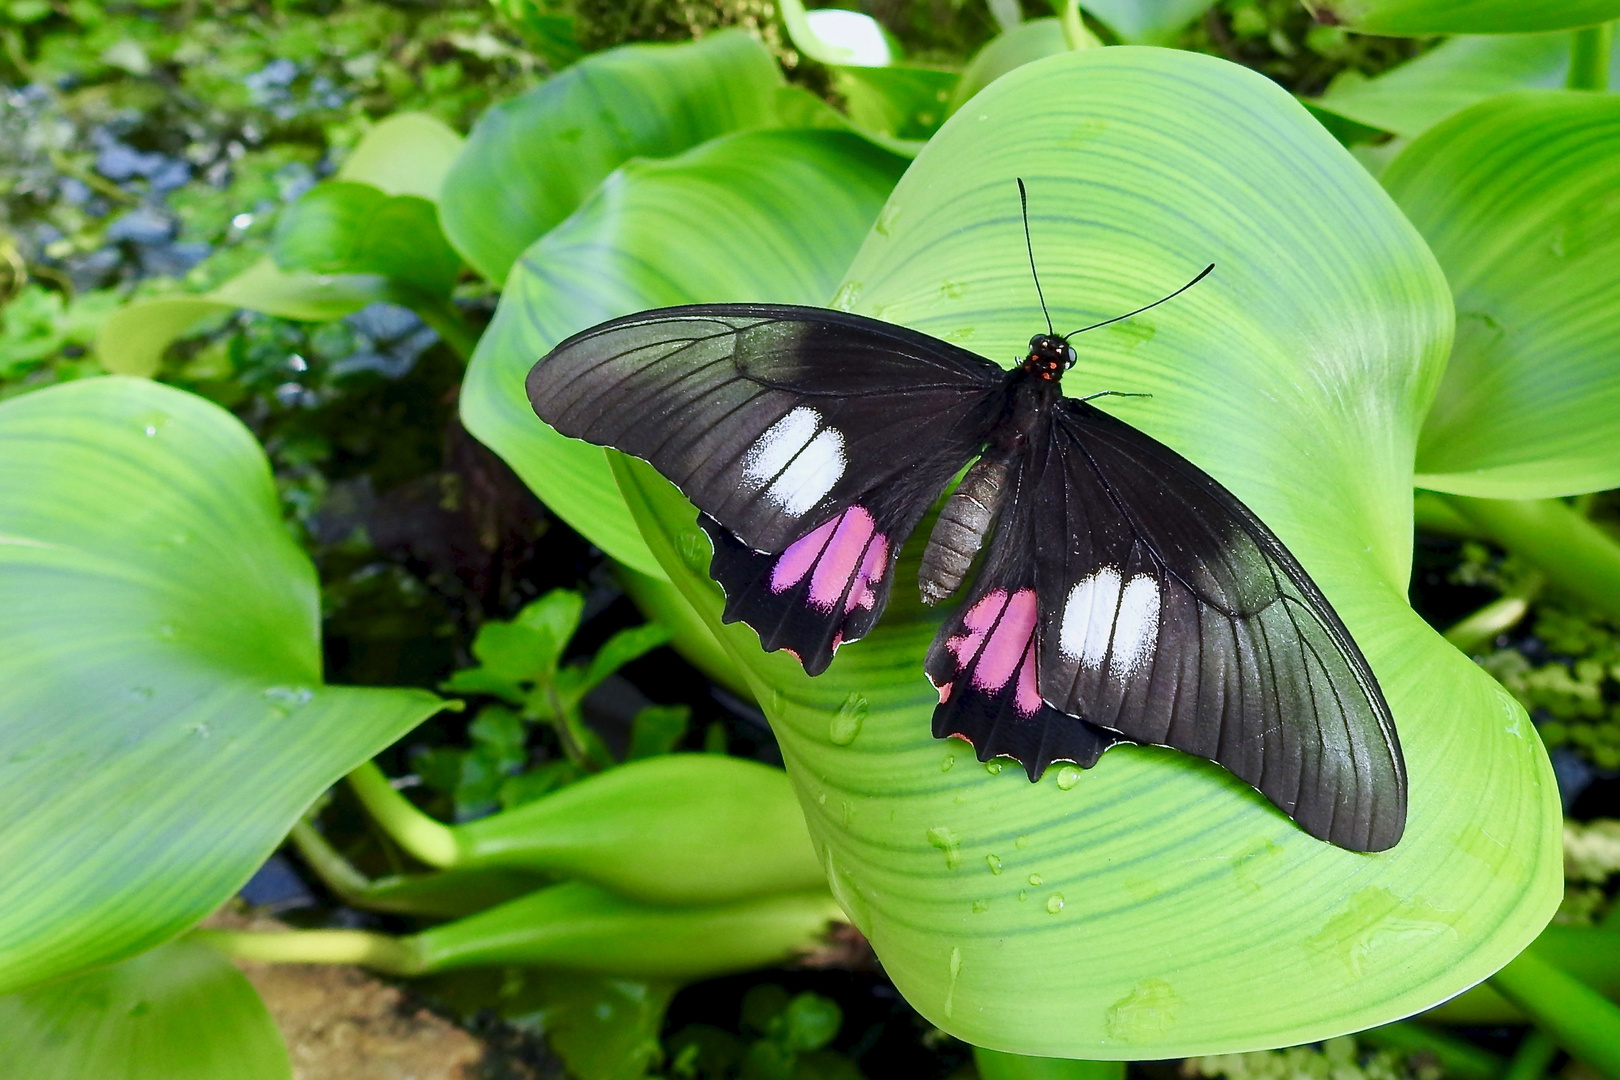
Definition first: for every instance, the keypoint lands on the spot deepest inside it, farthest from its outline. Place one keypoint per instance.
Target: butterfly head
(1049, 357)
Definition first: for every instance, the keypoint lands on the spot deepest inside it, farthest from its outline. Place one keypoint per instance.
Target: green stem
(1074, 28)
(445, 318)
(1462, 1059)
(1431, 513)
(1589, 58)
(1577, 1017)
(336, 872)
(996, 1065)
(423, 838)
(1531, 1059)
(1574, 554)
(380, 952)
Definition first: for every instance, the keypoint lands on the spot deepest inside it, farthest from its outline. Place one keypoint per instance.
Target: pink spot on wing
(979, 619)
(793, 653)
(838, 639)
(861, 593)
(838, 563)
(1008, 642)
(799, 557)
(1028, 697)
(945, 692)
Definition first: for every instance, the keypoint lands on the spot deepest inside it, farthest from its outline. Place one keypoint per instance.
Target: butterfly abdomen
(969, 515)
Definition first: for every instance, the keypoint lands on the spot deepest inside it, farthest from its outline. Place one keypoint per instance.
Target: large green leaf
(1519, 198)
(767, 215)
(1462, 16)
(531, 161)
(179, 1012)
(1154, 906)
(405, 154)
(1455, 74)
(164, 721)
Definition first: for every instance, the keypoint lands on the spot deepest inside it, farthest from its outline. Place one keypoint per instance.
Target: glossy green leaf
(133, 338)
(1025, 43)
(164, 722)
(1154, 906)
(1418, 17)
(405, 154)
(1147, 22)
(770, 215)
(1455, 74)
(346, 227)
(179, 1012)
(530, 162)
(1519, 198)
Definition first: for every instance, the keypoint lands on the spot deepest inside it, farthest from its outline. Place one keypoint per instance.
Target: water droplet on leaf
(1068, 776)
(994, 862)
(1034, 879)
(993, 766)
(846, 722)
(1054, 903)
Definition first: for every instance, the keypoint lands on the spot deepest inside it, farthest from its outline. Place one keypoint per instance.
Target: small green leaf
(1455, 74)
(623, 647)
(530, 162)
(1519, 198)
(1418, 17)
(512, 652)
(810, 1022)
(164, 722)
(771, 215)
(656, 729)
(1024, 44)
(502, 734)
(604, 1028)
(405, 154)
(134, 337)
(342, 227)
(557, 614)
(179, 1012)
(902, 102)
(1147, 22)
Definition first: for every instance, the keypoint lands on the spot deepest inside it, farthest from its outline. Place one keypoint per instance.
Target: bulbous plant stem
(1554, 537)
(1589, 58)
(380, 952)
(422, 837)
(995, 1065)
(1074, 28)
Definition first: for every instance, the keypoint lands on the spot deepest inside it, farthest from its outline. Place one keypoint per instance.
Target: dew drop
(945, 766)
(202, 731)
(846, 722)
(1034, 879)
(994, 863)
(164, 631)
(777, 702)
(993, 766)
(946, 841)
(291, 697)
(1054, 903)
(694, 550)
(980, 907)
(846, 296)
(1021, 842)
(1068, 776)
(141, 693)
(1022, 895)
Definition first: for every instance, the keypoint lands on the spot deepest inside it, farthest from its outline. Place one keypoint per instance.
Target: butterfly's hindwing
(1172, 615)
(984, 661)
(772, 419)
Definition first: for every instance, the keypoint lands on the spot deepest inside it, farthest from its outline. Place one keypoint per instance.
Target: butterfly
(1122, 594)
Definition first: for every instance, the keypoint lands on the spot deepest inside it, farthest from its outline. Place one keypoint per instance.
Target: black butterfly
(1125, 595)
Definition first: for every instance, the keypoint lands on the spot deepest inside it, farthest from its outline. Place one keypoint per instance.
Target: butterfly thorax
(970, 513)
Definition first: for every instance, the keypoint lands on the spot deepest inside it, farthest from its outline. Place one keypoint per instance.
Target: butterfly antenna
(1023, 201)
(1202, 274)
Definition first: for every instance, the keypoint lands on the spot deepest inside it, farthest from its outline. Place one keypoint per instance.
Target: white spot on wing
(811, 475)
(1136, 630)
(779, 445)
(1088, 617)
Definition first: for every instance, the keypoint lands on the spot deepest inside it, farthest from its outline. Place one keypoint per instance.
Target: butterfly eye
(1068, 356)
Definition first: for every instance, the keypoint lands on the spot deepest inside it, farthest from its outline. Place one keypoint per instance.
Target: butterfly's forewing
(772, 419)
(813, 441)
(984, 660)
(1171, 614)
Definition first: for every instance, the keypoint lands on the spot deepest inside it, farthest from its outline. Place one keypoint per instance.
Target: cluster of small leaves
(1591, 859)
(1335, 1059)
(782, 1038)
(1573, 694)
(520, 665)
(1279, 38)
